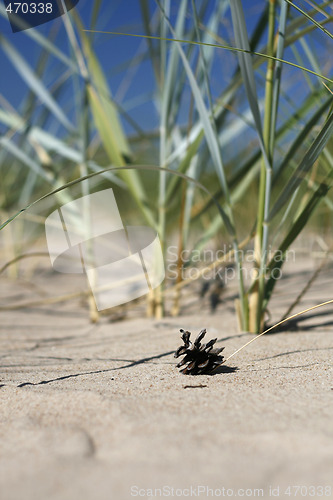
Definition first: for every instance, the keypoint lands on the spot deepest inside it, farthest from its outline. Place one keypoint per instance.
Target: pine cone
(199, 358)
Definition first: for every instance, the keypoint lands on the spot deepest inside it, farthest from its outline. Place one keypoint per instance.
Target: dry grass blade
(278, 324)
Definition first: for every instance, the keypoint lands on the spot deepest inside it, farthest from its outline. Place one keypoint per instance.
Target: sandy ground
(101, 412)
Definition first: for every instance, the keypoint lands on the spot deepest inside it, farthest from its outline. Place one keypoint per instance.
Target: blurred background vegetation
(230, 100)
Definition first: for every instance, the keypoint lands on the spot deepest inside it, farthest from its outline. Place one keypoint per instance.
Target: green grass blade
(308, 160)
(105, 128)
(95, 13)
(245, 61)
(54, 145)
(101, 91)
(34, 83)
(109, 126)
(207, 120)
(183, 166)
(207, 126)
(278, 71)
(11, 119)
(305, 14)
(295, 230)
(104, 125)
(168, 75)
(225, 47)
(144, 4)
(21, 155)
(300, 139)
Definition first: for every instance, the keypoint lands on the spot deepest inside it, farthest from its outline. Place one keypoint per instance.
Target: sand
(101, 412)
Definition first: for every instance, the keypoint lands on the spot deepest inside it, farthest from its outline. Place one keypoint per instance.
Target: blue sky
(128, 87)
(134, 88)
(112, 11)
